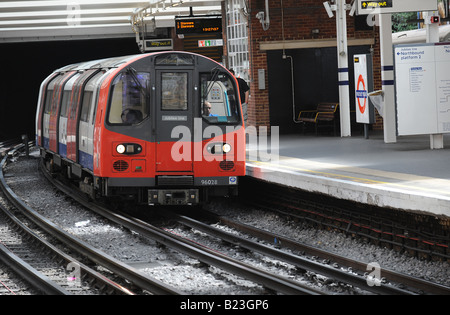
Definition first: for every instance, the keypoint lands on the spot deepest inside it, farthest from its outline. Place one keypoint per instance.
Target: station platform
(406, 175)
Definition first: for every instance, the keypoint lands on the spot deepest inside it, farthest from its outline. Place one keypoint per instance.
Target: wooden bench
(325, 113)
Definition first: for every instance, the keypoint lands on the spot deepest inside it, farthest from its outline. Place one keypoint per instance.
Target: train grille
(226, 165)
(120, 166)
(175, 180)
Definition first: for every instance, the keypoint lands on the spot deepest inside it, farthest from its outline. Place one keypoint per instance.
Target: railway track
(82, 249)
(267, 279)
(7, 145)
(415, 284)
(401, 283)
(12, 284)
(30, 257)
(422, 236)
(14, 244)
(210, 257)
(334, 273)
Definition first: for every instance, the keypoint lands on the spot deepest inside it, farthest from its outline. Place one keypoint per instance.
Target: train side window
(48, 101)
(220, 95)
(65, 103)
(86, 105)
(90, 98)
(129, 98)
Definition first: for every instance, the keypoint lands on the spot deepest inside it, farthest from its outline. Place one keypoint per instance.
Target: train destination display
(196, 25)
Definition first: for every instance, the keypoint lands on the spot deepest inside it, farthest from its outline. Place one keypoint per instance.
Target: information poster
(443, 86)
(422, 82)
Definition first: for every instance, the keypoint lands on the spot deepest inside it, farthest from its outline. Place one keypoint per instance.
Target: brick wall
(300, 17)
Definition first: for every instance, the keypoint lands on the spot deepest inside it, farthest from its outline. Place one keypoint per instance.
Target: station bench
(323, 115)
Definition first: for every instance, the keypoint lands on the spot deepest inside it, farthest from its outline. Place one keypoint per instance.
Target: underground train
(163, 128)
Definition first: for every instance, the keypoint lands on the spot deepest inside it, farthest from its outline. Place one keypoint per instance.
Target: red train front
(163, 128)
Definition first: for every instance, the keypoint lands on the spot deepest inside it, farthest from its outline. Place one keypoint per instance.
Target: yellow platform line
(392, 175)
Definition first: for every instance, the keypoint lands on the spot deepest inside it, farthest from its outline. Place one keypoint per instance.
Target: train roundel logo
(361, 94)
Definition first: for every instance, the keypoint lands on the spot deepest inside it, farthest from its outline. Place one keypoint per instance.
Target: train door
(62, 128)
(174, 120)
(46, 112)
(44, 97)
(74, 114)
(87, 120)
(54, 109)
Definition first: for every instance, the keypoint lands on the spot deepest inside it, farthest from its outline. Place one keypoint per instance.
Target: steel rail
(222, 261)
(372, 226)
(6, 145)
(138, 278)
(84, 270)
(413, 282)
(295, 260)
(210, 257)
(37, 280)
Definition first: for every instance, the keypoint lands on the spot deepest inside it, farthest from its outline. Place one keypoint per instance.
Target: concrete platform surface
(404, 175)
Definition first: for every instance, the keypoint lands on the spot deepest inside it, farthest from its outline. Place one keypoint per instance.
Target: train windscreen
(219, 98)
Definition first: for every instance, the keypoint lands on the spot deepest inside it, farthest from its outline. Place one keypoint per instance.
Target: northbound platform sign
(394, 6)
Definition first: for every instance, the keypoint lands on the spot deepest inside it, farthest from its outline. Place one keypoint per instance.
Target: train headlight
(226, 148)
(120, 149)
(129, 148)
(219, 148)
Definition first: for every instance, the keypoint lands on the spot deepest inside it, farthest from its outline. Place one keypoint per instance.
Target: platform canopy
(84, 19)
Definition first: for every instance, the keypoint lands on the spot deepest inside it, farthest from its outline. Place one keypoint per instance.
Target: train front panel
(171, 131)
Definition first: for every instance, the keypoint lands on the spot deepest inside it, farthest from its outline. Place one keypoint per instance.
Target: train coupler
(173, 197)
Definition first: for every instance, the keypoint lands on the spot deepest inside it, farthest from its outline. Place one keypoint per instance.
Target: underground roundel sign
(361, 94)
(363, 75)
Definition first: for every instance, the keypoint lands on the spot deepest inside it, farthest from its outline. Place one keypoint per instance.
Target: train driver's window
(129, 98)
(219, 98)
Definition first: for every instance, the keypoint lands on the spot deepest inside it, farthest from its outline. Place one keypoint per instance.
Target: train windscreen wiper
(133, 73)
(215, 74)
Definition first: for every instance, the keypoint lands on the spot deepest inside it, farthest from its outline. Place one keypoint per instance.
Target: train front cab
(174, 151)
